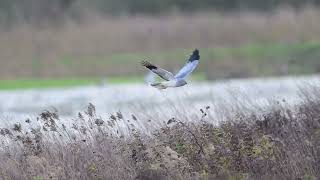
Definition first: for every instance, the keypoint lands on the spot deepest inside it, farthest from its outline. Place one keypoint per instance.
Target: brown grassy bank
(280, 144)
(78, 48)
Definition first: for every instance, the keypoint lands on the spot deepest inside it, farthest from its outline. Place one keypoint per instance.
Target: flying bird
(170, 79)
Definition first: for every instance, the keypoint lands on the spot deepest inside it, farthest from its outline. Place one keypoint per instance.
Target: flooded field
(143, 99)
(268, 124)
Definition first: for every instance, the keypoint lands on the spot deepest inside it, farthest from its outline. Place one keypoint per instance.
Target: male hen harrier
(174, 80)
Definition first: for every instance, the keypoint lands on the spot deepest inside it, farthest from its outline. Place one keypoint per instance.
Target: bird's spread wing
(164, 74)
(192, 63)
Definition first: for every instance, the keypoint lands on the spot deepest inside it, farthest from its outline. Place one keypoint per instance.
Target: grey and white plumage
(170, 79)
(150, 77)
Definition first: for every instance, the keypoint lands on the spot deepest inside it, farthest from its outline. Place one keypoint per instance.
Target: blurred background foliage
(37, 10)
(46, 39)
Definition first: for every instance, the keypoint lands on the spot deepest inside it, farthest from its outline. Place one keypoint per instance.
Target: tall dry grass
(29, 51)
(281, 143)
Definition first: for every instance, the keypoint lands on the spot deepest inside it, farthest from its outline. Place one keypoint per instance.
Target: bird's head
(182, 82)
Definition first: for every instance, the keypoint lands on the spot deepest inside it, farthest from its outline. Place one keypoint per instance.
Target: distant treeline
(162, 6)
(13, 10)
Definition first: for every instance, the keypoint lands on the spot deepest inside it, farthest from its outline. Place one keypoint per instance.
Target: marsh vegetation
(281, 143)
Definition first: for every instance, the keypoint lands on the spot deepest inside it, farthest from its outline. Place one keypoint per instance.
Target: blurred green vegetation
(254, 60)
(74, 82)
(43, 83)
(248, 61)
(52, 83)
(263, 60)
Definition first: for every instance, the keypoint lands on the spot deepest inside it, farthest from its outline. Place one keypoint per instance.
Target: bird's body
(171, 80)
(172, 83)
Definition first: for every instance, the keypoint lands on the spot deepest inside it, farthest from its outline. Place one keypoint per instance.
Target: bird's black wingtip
(148, 65)
(195, 55)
